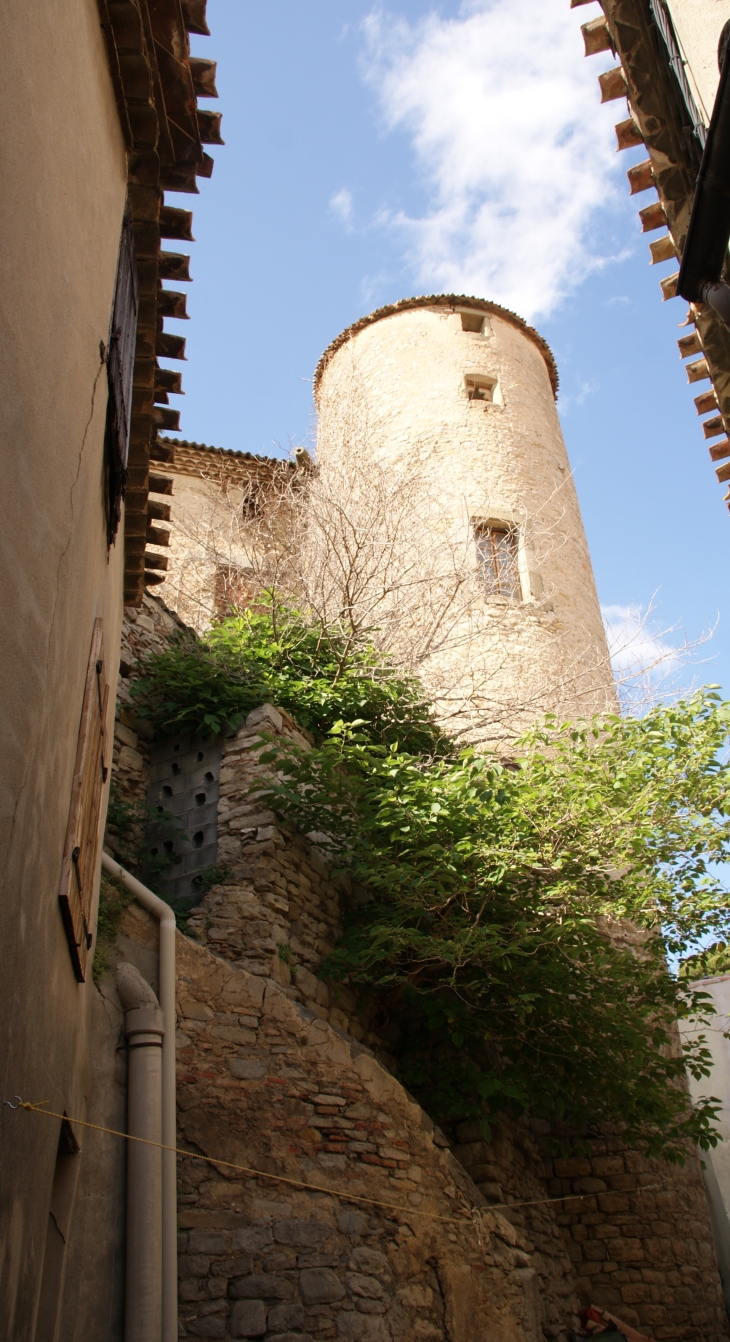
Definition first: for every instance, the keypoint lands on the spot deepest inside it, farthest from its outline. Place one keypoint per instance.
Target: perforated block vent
(182, 828)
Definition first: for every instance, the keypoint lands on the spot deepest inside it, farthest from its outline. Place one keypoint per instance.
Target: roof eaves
(440, 300)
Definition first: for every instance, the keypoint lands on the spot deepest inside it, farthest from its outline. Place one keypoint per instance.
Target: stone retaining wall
(636, 1231)
(280, 1072)
(279, 911)
(264, 1082)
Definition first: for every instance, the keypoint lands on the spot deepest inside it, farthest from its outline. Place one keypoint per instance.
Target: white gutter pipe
(166, 918)
(145, 1031)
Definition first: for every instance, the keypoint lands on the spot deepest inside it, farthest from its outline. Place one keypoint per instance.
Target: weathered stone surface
(264, 1285)
(248, 1319)
(320, 1286)
(283, 1317)
(306, 1234)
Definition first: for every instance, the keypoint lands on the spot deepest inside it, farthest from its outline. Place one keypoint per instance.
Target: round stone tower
(453, 398)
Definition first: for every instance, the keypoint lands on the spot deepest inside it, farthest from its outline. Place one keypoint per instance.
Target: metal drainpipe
(166, 918)
(144, 1029)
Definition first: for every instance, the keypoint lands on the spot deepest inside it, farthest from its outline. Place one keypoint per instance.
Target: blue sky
(373, 153)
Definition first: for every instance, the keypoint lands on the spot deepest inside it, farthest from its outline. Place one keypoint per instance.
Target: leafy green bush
(275, 654)
(713, 960)
(520, 919)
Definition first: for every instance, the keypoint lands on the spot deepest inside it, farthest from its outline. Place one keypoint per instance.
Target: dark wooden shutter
(120, 368)
(82, 835)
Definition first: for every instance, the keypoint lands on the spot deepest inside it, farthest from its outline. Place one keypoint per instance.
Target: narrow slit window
(497, 554)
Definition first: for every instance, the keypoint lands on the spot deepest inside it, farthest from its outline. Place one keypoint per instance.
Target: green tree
(519, 919)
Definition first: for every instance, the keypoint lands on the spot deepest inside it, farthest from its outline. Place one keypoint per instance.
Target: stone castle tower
(467, 390)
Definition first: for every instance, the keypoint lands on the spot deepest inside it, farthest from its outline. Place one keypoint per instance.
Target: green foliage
(208, 877)
(122, 819)
(113, 900)
(707, 963)
(275, 654)
(520, 919)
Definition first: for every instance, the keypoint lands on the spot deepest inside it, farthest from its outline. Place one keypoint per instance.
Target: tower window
(480, 386)
(497, 555)
(472, 321)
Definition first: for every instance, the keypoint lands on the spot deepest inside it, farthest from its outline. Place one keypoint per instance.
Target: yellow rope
(314, 1188)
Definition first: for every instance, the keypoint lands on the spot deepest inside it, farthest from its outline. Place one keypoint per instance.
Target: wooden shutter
(120, 370)
(82, 835)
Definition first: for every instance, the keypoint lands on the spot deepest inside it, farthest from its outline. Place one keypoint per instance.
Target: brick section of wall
(645, 1255)
(264, 1082)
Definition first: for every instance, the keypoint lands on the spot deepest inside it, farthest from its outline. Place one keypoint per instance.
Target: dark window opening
(497, 553)
(176, 769)
(120, 372)
(200, 798)
(167, 791)
(480, 387)
(200, 755)
(472, 321)
(168, 845)
(198, 839)
(209, 778)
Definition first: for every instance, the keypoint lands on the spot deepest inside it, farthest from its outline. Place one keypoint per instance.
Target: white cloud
(504, 115)
(340, 205)
(634, 646)
(651, 663)
(586, 388)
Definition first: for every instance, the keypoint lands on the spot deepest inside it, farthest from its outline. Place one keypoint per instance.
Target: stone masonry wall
(266, 1083)
(608, 1241)
(604, 1225)
(637, 1231)
(278, 913)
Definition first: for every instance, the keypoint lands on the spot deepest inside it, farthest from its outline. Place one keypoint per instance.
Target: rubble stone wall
(636, 1231)
(284, 1072)
(374, 1240)
(279, 911)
